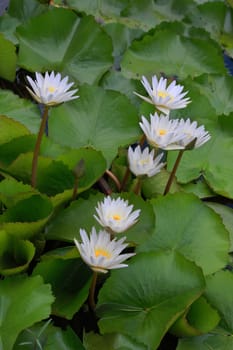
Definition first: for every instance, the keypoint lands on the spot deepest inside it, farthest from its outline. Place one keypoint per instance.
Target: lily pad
(50, 336)
(212, 160)
(21, 110)
(27, 217)
(15, 254)
(143, 300)
(103, 120)
(59, 40)
(219, 294)
(206, 342)
(167, 51)
(7, 59)
(61, 274)
(17, 293)
(186, 225)
(11, 129)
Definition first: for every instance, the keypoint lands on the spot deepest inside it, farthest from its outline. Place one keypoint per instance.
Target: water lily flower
(51, 89)
(116, 215)
(101, 253)
(193, 132)
(164, 97)
(142, 162)
(161, 132)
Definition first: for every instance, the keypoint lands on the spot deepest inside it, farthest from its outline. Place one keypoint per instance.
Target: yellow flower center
(162, 132)
(116, 217)
(51, 89)
(102, 252)
(144, 161)
(164, 94)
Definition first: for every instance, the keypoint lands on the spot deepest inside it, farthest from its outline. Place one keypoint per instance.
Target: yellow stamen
(51, 89)
(143, 161)
(116, 217)
(102, 252)
(162, 132)
(162, 94)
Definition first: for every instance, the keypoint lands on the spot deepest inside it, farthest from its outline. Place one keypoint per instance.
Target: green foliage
(150, 55)
(46, 336)
(46, 45)
(24, 301)
(198, 233)
(100, 119)
(211, 160)
(180, 281)
(7, 59)
(157, 296)
(15, 254)
(20, 110)
(61, 274)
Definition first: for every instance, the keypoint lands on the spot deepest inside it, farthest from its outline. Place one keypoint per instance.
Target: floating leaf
(93, 341)
(11, 150)
(143, 300)
(20, 110)
(59, 40)
(211, 160)
(198, 319)
(101, 119)
(217, 90)
(61, 274)
(185, 56)
(198, 233)
(114, 80)
(78, 215)
(15, 254)
(51, 337)
(25, 9)
(27, 217)
(226, 213)
(11, 129)
(90, 157)
(134, 14)
(11, 191)
(7, 59)
(207, 342)
(155, 185)
(219, 294)
(210, 16)
(24, 300)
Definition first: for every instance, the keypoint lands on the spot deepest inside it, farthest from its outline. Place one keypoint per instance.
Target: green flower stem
(75, 188)
(91, 298)
(172, 175)
(114, 178)
(125, 179)
(104, 186)
(137, 188)
(37, 146)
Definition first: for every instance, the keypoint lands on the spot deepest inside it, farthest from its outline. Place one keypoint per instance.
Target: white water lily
(100, 252)
(161, 132)
(51, 89)
(164, 97)
(116, 215)
(193, 132)
(143, 162)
